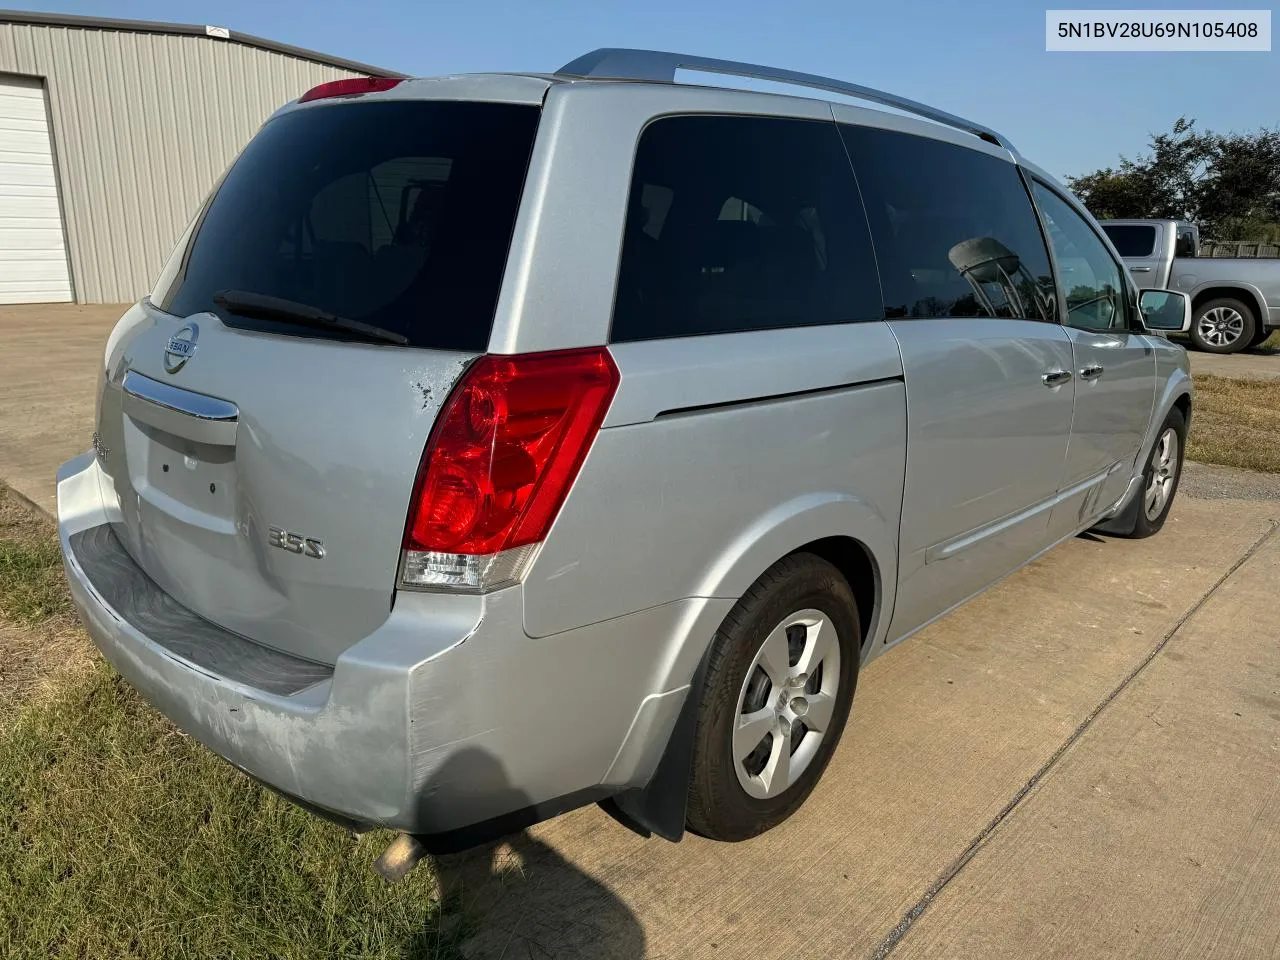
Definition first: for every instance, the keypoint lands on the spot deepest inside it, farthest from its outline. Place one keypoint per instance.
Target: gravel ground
(1210, 482)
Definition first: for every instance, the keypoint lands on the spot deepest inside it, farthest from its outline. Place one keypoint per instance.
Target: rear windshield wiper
(263, 307)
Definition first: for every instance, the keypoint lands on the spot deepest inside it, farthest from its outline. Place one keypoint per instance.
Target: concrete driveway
(1083, 762)
(49, 356)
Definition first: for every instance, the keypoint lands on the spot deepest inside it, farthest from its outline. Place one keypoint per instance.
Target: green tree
(1228, 184)
(1242, 197)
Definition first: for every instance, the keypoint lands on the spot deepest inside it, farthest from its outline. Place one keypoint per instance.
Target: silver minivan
(492, 445)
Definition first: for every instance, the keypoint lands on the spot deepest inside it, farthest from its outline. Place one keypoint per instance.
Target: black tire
(1144, 525)
(1225, 307)
(719, 807)
(1259, 337)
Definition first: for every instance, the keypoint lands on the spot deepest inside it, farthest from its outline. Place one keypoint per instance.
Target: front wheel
(1160, 478)
(1223, 326)
(779, 683)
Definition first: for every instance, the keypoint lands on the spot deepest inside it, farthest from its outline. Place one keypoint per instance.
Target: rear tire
(780, 677)
(1224, 325)
(1160, 477)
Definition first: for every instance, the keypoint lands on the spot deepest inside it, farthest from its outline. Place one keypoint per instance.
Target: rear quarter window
(397, 214)
(1131, 239)
(955, 232)
(742, 223)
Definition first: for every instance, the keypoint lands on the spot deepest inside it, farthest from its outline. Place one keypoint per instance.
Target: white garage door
(33, 260)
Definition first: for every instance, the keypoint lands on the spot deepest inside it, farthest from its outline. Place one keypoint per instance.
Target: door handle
(1139, 269)
(1055, 378)
(1092, 372)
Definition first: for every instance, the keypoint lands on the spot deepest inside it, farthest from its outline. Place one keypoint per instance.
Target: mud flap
(1126, 520)
(659, 806)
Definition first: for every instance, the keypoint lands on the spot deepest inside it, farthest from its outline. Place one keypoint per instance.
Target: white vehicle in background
(1235, 301)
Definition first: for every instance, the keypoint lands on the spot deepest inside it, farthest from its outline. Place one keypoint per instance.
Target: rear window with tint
(742, 223)
(394, 214)
(1131, 239)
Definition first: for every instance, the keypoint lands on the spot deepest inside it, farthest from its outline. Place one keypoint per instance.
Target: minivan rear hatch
(264, 417)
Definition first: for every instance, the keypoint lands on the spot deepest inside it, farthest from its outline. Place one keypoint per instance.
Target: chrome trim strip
(888, 643)
(198, 405)
(949, 548)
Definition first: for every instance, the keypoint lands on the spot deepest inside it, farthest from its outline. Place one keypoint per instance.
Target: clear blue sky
(985, 59)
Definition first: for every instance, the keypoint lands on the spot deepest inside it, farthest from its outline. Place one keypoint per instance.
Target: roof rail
(620, 63)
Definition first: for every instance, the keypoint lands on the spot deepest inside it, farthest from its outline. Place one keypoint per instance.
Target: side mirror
(1165, 310)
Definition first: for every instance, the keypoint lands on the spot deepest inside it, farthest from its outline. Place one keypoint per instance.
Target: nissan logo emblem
(181, 347)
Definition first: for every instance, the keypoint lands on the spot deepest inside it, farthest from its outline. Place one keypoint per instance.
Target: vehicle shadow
(516, 897)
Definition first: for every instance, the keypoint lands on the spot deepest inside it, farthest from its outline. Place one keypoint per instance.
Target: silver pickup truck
(1235, 302)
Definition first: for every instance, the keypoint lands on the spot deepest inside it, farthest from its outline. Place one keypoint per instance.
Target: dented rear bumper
(446, 716)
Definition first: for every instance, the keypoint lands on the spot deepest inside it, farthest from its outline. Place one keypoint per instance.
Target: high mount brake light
(504, 451)
(350, 86)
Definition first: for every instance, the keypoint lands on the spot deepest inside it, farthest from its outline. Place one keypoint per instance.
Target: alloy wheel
(1220, 327)
(786, 703)
(1164, 473)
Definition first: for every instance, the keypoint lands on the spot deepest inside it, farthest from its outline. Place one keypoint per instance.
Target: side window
(1186, 244)
(742, 223)
(955, 232)
(1132, 240)
(1092, 281)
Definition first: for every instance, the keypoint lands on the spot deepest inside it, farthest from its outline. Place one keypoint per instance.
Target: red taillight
(505, 450)
(350, 87)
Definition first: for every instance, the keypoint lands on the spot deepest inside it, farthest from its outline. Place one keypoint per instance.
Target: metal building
(111, 134)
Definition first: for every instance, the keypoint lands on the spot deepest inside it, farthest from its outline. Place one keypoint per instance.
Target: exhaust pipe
(401, 856)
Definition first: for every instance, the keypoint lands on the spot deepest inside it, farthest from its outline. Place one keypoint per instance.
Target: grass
(122, 837)
(1271, 344)
(40, 639)
(31, 586)
(1236, 423)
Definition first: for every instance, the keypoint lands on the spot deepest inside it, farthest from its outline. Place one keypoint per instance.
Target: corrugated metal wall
(143, 124)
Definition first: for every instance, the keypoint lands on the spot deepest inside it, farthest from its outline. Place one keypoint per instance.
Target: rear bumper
(447, 716)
